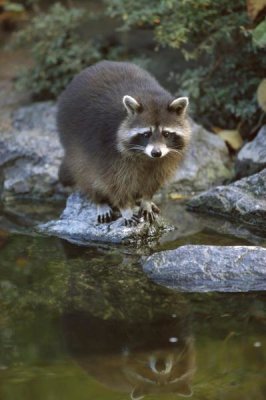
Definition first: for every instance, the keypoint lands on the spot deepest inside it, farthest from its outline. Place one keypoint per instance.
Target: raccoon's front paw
(104, 213)
(133, 221)
(129, 218)
(149, 211)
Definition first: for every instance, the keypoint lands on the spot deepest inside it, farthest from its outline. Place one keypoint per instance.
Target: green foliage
(57, 50)
(224, 58)
(224, 93)
(259, 34)
(13, 7)
(215, 34)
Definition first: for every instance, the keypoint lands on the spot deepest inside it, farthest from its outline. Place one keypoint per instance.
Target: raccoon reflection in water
(155, 357)
(124, 137)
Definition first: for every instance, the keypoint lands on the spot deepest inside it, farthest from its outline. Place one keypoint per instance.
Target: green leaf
(259, 35)
(14, 7)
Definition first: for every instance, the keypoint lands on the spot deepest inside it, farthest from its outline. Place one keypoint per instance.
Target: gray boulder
(77, 224)
(30, 153)
(252, 157)
(209, 268)
(207, 163)
(39, 116)
(243, 200)
(29, 162)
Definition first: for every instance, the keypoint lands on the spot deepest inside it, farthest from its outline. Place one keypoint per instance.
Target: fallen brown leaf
(261, 94)
(177, 196)
(255, 7)
(232, 138)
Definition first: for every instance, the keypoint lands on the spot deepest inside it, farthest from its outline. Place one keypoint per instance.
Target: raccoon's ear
(132, 105)
(179, 105)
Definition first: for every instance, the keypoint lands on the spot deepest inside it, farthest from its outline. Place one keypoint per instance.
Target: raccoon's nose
(156, 153)
(160, 365)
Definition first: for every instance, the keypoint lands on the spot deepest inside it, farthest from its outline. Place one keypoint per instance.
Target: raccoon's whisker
(138, 145)
(176, 151)
(137, 148)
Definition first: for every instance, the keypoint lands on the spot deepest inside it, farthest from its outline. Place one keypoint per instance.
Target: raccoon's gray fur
(123, 135)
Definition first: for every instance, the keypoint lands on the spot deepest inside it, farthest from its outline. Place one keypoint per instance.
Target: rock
(232, 232)
(29, 162)
(252, 157)
(243, 200)
(39, 116)
(206, 164)
(77, 224)
(195, 268)
(30, 154)
(192, 228)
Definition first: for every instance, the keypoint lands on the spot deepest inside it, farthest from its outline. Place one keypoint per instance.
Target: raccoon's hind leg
(64, 174)
(148, 210)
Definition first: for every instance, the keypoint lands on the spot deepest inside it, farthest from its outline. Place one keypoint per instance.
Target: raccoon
(138, 358)
(145, 373)
(123, 135)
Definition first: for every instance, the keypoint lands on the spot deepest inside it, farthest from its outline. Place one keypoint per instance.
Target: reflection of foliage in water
(40, 280)
(108, 284)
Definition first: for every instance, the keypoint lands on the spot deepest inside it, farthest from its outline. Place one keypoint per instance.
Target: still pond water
(85, 323)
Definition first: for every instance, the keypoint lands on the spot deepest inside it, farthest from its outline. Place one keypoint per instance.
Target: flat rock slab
(196, 268)
(77, 224)
(244, 200)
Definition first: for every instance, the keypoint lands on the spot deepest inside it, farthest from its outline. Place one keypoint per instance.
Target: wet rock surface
(207, 163)
(252, 157)
(77, 224)
(195, 268)
(30, 153)
(243, 200)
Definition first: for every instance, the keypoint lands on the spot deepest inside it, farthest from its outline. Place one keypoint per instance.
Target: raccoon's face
(162, 372)
(154, 131)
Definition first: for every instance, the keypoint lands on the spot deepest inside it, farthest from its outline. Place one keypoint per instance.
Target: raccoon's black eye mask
(146, 135)
(166, 134)
(175, 141)
(141, 139)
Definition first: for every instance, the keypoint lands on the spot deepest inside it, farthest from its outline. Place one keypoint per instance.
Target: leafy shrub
(11, 13)
(225, 56)
(57, 49)
(216, 36)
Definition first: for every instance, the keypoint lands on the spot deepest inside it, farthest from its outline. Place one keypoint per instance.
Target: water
(85, 323)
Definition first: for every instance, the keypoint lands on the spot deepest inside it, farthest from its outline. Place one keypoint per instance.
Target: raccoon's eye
(146, 134)
(165, 134)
